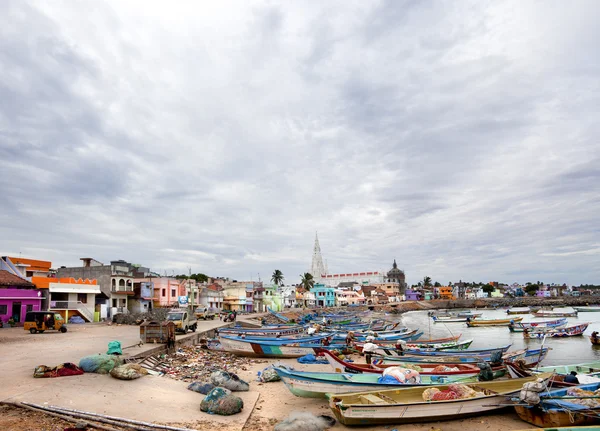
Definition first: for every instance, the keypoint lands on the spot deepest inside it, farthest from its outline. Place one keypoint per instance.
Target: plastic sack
(114, 348)
(229, 381)
(268, 375)
(101, 364)
(311, 359)
(403, 375)
(221, 401)
(128, 372)
(201, 387)
(388, 380)
(530, 392)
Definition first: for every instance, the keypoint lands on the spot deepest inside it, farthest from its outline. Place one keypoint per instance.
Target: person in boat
(368, 348)
(572, 378)
(324, 320)
(350, 339)
(511, 324)
(326, 341)
(526, 332)
(595, 337)
(399, 347)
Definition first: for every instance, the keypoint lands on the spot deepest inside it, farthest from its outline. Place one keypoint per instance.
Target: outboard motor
(485, 374)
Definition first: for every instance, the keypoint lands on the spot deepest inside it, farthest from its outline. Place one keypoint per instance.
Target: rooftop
(7, 279)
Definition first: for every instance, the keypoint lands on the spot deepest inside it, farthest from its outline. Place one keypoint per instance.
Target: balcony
(122, 290)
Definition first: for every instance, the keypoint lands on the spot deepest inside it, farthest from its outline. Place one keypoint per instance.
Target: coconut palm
(307, 281)
(427, 281)
(277, 277)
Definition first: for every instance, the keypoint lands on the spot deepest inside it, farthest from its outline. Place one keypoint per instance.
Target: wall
(100, 273)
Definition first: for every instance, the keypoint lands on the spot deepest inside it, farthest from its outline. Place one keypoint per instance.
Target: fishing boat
(577, 405)
(518, 310)
(548, 313)
(492, 322)
(519, 326)
(402, 406)
(594, 339)
(587, 309)
(262, 332)
(316, 384)
(452, 352)
(590, 428)
(448, 369)
(450, 319)
(406, 336)
(567, 331)
(392, 350)
(588, 372)
(529, 357)
(284, 348)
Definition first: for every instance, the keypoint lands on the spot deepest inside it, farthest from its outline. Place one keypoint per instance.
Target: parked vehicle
(184, 319)
(40, 321)
(205, 314)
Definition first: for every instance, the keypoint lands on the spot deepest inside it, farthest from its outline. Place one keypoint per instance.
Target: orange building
(446, 292)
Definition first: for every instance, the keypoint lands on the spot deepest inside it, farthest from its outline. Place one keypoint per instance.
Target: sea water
(567, 350)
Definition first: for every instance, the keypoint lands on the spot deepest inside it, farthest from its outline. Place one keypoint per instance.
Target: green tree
(488, 288)
(437, 284)
(200, 278)
(307, 281)
(531, 289)
(277, 277)
(427, 281)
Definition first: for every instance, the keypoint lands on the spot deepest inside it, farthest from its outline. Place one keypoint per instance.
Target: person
(263, 321)
(311, 330)
(326, 341)
(324, 320)
(595, 337)
(350, 339)
(234, 315)
(572, 378)
(368, 349)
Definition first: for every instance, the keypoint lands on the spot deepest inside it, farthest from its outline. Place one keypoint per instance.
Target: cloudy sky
(461, 138)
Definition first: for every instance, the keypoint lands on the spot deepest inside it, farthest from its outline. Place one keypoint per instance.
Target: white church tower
(317, 269)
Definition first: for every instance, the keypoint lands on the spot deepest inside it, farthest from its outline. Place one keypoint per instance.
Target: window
(82, 297)
(173, 292)
(164, 292)
(115, 303)
(29, 308)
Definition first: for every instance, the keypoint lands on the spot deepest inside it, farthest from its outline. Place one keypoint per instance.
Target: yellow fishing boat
(493, 322)
(399, 406)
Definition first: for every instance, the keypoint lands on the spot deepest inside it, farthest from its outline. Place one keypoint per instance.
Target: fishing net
(429, 393)
(445, 395)
(588, 402)
(463, 391)
(101, 364)
(444, 369)
(221, 401)
(229, 380)
(200, 387)
(128, 372)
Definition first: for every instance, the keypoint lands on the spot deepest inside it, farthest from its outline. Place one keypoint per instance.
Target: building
(288, 296)
(413, 295)
(396, 276)
(142, 300)
(17, 297)
(392, 290)
(324, 295)
(273, 298)
(242, 295)
(211, 296)
(70, 297)
(446, 292)
(115, 282)
(349, 297)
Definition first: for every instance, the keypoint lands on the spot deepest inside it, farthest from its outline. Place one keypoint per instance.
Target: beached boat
(589, 309)
(566, 331)
(262, 332)
(519, 326)
(574, 428)
(548, 313)
(452, 352)
(450, 319)
(408, 406)
(448, 369)
(518, 310)
(413, 335)
(317, 384)
(427, 347)
(577, 405)
(284, 348)
(586, 373)
(493, 322)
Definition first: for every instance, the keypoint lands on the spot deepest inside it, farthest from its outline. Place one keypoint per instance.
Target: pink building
(17, 297)
(167, 290)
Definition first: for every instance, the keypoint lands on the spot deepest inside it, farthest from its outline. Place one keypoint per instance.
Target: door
(16, 311)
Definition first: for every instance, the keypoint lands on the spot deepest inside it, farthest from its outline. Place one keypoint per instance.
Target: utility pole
(191, 287)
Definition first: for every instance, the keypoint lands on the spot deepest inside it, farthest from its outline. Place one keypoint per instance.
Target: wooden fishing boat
(408, 406)
(278, 315)
(567, 331)
(586, 373)
(415, 334)
(392, 350)
(317, 384)
(548, 313)
(450, 319)
(590, 428)
(457, 369)
(519, 326)
(563, 407)
(595, 340)
(452, 352)
(269, 348)
(263, 332)
(493, 322)
(518, 310)
(529, 357)
(590, 309)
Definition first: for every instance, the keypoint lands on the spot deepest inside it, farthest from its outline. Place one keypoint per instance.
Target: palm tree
(427, 281)
(307, 281)
(277, 277)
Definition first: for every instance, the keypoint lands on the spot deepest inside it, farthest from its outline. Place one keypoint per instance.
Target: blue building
(324, 295)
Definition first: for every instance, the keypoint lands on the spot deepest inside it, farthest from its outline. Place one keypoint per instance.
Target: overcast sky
(461, 138)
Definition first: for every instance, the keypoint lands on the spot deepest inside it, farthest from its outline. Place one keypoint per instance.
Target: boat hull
(258, 350)
(495, 322)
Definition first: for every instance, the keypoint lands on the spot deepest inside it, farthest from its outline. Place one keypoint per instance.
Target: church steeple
(317, 269)
(395, 265)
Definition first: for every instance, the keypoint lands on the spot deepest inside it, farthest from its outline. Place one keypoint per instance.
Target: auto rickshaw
(40, 321)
